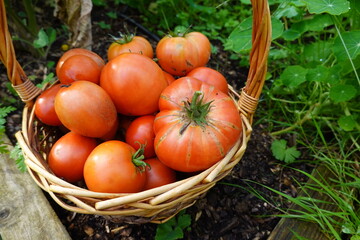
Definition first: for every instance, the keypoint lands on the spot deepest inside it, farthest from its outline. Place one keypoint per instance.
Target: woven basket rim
(155, 205)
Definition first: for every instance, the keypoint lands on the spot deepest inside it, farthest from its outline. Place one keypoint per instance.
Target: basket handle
(24, 87)
(261, 40)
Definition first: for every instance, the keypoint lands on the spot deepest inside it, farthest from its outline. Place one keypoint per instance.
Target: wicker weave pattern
(154, 205)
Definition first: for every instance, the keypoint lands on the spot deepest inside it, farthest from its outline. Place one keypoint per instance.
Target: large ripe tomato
(112, 134)
(68, 155)
(134, 83)
(111, 168)
(196, 127)
(180, 54)
(77, 68)
(85, 108)
(141, 132)
(79, 51)
(132, 44)
(44, 106)
(210, 76)
(169, 78)
(158, 174)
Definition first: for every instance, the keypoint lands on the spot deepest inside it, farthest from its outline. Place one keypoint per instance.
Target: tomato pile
(133, 122)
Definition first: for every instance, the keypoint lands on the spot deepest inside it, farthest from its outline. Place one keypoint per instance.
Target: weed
(174, 228)
(4, 111)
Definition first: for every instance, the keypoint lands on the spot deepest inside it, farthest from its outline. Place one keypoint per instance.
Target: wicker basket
(154, 205)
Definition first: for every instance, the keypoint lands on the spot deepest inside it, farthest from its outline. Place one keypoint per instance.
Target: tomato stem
(123, 39)
(138, 158)
(197, 110)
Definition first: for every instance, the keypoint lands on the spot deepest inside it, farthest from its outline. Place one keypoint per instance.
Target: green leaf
(334, 7)
(282, 152)
(286, 10)
(347, 67)
(352, 44)
(355, 237)
(42, 39)
(48, 79)
(174, 228)
(318, 74)
(347, 123)
(347, 228)
(278, 54)
(334, 75)
(342, 93)
(319, 22)
(293, 76)
(240, 38)
(16, 154)
(51, 33)
(111, 14)
(184, 221)
(104, 25)
(317, 52)
(291, 34)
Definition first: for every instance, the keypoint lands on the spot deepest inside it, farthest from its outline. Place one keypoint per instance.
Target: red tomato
(79, 51)
(110, 168)
(85, 108)
(112, 133)
(132, 44)
(158, 174)
(196, 127)
(44, 106)
(169, 78)
(141, 132)
(210, 76)
(79, 67)
(68, 155)
(179, 55)
(134, 83)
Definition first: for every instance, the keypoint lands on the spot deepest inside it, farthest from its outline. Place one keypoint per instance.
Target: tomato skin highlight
(109, 168)
(134, 83)
(187, 146)
(44, 106)
(179, 55)
(158, 174)
(79, 51)
(210, 76)
(137, 44)
(85, 108)
(68, 155)
(141, 132)
(79, 67)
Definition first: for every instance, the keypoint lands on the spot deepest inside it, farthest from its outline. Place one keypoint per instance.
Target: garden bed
(227, 211)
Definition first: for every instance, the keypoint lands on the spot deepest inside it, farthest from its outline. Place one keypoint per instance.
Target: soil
(230, 210)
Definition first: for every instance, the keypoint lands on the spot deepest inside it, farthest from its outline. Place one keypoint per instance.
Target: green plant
(314, 66)
(4, 111)
(23, 21)
(174, 228)
(16, 154)
(312, 95)
(284, 153)
(214, 18)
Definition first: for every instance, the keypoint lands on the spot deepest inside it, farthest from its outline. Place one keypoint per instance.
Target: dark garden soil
(226, 212)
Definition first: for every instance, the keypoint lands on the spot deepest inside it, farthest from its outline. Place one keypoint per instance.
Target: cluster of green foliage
(22, 19)
(174, 228)
(312, 95)
(314, 63)
(216, 19)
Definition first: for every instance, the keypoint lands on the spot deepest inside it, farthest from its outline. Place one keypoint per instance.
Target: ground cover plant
(310, 104)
